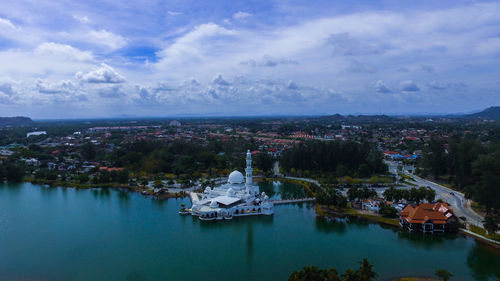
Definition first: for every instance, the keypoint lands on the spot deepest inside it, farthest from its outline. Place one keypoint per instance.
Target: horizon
(240, 58)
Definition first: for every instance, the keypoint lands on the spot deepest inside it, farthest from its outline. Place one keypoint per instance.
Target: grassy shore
(415, 279)
(327, 211)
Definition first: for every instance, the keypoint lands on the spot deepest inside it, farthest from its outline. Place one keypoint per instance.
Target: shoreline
(321, 210)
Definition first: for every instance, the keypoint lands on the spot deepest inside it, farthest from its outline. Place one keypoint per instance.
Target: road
(457, 201)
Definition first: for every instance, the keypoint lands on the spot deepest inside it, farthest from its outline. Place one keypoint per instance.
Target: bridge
(290, 201)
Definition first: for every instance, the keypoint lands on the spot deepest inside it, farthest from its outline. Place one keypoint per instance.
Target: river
(106, 234)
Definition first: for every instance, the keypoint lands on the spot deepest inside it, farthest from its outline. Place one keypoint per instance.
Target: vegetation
(468, 164)
(414, 194)
(443, 274)
(312, 273)
(340, 158)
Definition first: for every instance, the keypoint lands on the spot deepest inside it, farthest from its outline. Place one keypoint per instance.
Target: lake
(107, 234)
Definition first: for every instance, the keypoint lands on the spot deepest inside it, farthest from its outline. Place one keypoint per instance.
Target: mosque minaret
(238, 197)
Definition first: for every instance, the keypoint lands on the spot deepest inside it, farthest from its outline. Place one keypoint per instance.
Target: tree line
(469, 165)
(341, 158)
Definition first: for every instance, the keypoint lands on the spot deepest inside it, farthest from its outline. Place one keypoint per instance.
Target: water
(69, 234)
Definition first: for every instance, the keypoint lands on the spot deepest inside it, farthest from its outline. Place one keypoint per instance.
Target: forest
(340, 158)
(468, 165)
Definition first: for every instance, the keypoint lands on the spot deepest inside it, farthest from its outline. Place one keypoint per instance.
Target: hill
(15, 121)
(489, 113)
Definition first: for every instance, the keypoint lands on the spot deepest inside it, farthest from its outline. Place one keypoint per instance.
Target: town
(395, 170)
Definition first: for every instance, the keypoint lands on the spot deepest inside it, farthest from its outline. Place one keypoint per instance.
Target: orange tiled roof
(438, 213)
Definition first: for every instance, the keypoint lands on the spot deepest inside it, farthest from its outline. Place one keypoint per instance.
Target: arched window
(258, 210)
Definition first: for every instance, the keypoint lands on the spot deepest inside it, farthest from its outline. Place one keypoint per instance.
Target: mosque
(238, 197)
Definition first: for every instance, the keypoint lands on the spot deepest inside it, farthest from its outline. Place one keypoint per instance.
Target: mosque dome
(208, 189)
(236, 177)
(230, 192)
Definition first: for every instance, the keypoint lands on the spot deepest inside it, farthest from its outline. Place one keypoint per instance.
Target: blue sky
(73, 59)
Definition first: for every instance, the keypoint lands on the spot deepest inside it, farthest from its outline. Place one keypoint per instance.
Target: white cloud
(241, 15)
(103, 74)
(64, 86)
(51, 48)
(409, 86)
(7, 23)
(380, 87)
(82, 19)
(171, 13)
(106, 38)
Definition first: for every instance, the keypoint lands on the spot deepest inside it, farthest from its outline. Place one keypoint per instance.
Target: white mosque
(238, 197)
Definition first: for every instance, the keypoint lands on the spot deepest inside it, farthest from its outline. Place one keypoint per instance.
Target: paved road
(457, 201)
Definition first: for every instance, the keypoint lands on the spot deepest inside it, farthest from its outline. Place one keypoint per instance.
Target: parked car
(463, 218)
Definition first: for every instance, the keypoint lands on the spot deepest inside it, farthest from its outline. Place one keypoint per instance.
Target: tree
(312, 273)
(430, 195)
(13, 172)
(350, 275)
(88, 151)
(365, 271)
(389, 193)
(490, 223)
(364, 171)
(486, 191)
(158, 184)
(443, 274)
(264, 161)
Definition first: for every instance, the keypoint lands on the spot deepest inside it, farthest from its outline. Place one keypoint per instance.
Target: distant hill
(489, 113)
(15, 121)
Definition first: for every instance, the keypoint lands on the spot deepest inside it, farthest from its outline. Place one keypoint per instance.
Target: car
(452, 194)
(463, 218)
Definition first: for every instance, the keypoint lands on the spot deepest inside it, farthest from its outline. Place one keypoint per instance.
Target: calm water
(68, 234)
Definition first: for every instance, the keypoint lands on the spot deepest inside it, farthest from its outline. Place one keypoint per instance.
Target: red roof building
(428, 218)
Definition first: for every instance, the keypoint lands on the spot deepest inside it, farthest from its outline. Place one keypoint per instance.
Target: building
(36, 133)
(238, 197)
(428, 218)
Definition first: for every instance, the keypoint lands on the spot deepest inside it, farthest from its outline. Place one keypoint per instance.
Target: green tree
(88, 151)
(443, 274)
(312, 273)
(486, 191)
(490, 223)
(365, 271)
(364, 171)
(350, 275)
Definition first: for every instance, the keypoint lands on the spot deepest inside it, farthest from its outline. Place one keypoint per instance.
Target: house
(428, 218)
(370, 205)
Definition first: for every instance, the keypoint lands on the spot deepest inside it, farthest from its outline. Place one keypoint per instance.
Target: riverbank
(138, 189)
(325, 211)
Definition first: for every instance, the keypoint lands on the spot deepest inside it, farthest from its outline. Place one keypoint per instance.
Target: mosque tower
(249, 170)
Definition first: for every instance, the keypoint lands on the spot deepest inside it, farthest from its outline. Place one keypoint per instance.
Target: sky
(113, 58)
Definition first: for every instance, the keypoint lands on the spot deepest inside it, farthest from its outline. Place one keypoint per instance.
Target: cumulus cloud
(103, 74)
(111, 92)
(107, 38)
(218, 80)
(268, 61)
(427, 68)
(64, 86)
(409, 86)
(241, 15)
(380, 87)
(291, 85)
(51, 48)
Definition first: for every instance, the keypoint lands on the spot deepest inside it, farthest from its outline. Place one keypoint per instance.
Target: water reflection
(482, 263)
(282, 190)
(331, 225)
(424, 241)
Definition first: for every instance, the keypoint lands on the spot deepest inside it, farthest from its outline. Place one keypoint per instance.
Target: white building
(36, 133)
(238, 197)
